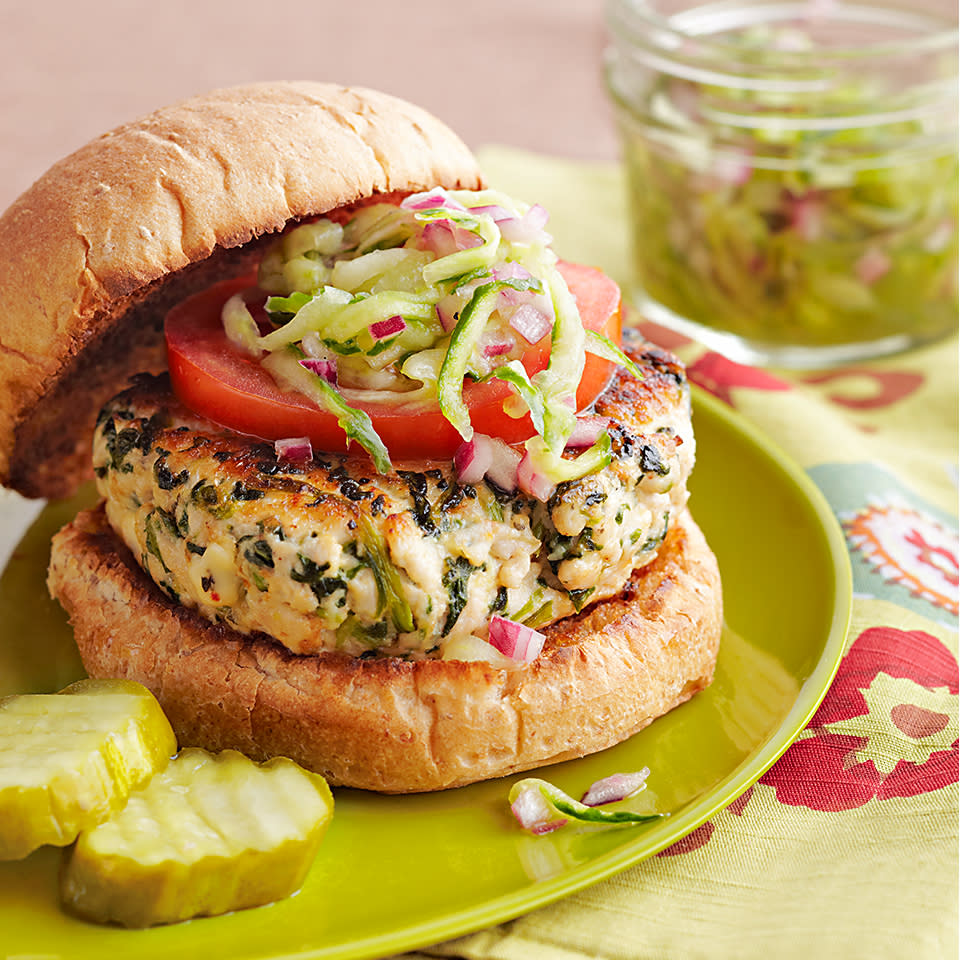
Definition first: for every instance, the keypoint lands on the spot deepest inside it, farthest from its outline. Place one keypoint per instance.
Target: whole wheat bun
(391, 725)
(91, 258)
(102, 245)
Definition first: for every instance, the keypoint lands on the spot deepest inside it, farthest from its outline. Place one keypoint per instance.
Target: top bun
(97, 250)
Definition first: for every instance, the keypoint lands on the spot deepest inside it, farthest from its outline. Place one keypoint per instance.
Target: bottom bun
(393, 725)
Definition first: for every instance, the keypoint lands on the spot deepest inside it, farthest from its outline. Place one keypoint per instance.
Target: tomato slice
(218, 382)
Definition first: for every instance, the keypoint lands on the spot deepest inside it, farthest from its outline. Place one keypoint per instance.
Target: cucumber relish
(792, 170)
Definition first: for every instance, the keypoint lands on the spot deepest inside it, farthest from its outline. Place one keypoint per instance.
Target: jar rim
(638, 18)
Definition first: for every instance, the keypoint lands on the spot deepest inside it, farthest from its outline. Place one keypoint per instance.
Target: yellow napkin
(847, 847)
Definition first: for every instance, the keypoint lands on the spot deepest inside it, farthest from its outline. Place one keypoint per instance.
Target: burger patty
(329, 555)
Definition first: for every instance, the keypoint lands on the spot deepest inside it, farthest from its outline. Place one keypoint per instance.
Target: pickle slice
(209, 834)
(68, 760)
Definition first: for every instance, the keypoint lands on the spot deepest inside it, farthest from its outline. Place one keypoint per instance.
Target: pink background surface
(525, 73)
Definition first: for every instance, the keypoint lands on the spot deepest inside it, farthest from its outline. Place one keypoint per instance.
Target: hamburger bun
(94, 255)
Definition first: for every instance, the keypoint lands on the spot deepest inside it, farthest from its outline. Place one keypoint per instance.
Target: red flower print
(692, 841)
(701, 836)
(886, 728)
(662, 336)
(888, 386)
(740, 804)
(718, 375)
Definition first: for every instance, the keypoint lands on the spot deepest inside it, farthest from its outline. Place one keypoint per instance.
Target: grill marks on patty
(330, 555)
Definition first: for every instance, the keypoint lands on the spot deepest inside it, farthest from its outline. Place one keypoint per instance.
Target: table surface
(525, 73)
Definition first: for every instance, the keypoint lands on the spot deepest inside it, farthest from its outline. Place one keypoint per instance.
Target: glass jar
(792, 172)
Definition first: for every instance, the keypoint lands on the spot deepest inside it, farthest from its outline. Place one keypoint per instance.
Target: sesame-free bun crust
(392, 725)
(97, 250)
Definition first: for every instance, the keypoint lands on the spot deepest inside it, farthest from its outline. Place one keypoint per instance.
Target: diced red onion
(313, 346)
(442, 238)
(586, 432)
(466, 239)
(472, 459)
(511, 271)
(532, 482)
(617, 786)
(430, 200)
(294, 448)
(526, 229)
(530, 808)
(448, 311)
(536, 217)
(532, 324)
(322, 367)
(504, 462)
(533, 812)
(939, 237)
(514, 640)
(541, 828)
(734, 168)
(437, 238)
(497, 349)
(873, 265)
(387, 328)
(493, 210)
(511, 298)
(544, 304)
(806, 217)
(490, 457)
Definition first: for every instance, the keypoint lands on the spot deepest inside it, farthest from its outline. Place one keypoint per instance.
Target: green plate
(395, 873)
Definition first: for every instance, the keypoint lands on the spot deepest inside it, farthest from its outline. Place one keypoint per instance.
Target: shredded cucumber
(456, 363)
(285, 367)
(465, 336)
(305, 274)
(406, 276)
(322, 236)
(358, 315)
(310, 317)
(513, 372)
(378, 227)
(282, 309)
(357, 273)
(331, 284)
(561, 806)
(474, 258)
(418, 335)
(559, 470)
(240, 327)
(558, 382)
(489, 198)
(604, 347)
